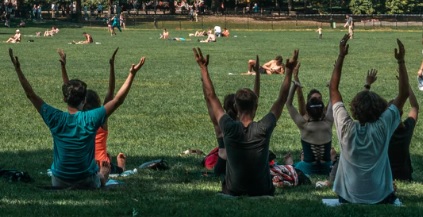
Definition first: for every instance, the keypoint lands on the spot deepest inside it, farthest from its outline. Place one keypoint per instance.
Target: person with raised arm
(74, 131)
(246, 141)
(92, 102)
(364, 174)
(316, 132)
(229, 107)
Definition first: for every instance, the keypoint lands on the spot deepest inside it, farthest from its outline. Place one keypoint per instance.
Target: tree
(361, 7)
(400, 6)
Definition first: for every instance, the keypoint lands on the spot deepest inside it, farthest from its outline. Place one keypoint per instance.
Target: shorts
(90, 182)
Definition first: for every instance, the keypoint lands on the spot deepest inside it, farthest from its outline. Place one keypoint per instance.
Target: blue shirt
(73, 141)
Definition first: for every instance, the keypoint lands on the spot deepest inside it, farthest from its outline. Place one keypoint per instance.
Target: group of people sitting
(80, 158)
(374, 143)
(54, 30)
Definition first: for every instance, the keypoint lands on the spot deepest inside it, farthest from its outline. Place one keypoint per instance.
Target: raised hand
(112, 59)
(202, 62)
(400, 52)
(134, 68)
(14, 59)
(256, 66)
(296, 71)
(292, 62)
(343, 46)
(371, 76)
(62, 56)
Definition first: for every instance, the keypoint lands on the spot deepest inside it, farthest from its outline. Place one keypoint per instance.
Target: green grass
(165, 114)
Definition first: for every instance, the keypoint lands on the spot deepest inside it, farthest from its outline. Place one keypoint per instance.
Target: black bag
(159, 164)
(15, 176)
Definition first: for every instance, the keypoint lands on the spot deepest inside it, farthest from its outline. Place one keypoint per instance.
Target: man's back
(247, 151)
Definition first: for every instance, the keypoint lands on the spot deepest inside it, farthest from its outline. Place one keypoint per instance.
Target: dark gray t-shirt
(247, 149)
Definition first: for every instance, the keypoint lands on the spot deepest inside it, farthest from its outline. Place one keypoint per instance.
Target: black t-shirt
(247, 149)
(399, 151)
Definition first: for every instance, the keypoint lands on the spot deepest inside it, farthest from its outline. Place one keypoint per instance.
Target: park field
(165, 114)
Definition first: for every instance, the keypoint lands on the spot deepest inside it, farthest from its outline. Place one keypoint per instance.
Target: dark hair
(312, 91)
(367, 106)
(93, 100)
(84, 33)
(279, 59)
(74, 92)
(315, 109)
(246, 100)
(229, 106)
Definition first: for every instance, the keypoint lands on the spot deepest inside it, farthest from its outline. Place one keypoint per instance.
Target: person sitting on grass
(246, 141)
(210, 38)
(88, 39)
(316, 132)
(420, 77)
(15, 38)
(364, 174)
(225, 32)
(93, 102)
(74, 131)
(229, 107)
(274, 66)
(164, 35)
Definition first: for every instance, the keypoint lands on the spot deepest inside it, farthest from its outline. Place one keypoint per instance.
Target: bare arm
(335, 95)
(403, 84)
(420, 72)
(213, 119)
(112, 105)
(208, 89)
(284, 90)
(370, 79)
(300, 96)
(257, 80)
(111, 89)
(32, 96)
(62, 60)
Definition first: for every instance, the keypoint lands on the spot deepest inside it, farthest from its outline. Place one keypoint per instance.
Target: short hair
(92, 100)
(84, 33)
(315, 108)
(246, 100)
(367, 106)
(279, 58)
(312, 91)
(229, 106)
(74, 92)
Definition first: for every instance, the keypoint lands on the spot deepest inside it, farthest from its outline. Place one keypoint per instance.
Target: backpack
(15, 176)
(210, 160)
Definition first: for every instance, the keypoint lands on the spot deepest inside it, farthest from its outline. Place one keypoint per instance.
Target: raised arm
(335, 95)
(208, 89)
(111, 89)
(32, 96)
(300, 95)
(370, 79)
(257, 80)
(113, 104)
(62, 60)
(403, 84)
(284, 90)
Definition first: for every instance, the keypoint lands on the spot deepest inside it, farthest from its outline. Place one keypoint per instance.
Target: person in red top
(92, 102)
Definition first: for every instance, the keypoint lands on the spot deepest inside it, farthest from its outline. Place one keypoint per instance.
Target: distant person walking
(350, 25)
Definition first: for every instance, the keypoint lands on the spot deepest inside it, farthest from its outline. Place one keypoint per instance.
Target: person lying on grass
(364, 174)
(274, 66)
(73, 131)
(246, 141)
(93, 102)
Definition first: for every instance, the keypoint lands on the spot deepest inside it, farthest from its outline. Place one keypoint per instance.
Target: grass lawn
(165, 114)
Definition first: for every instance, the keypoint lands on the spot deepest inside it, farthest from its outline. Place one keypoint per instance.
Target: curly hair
(367, 106)
(74, 92)
(246, 100)
(93, 100)
(229, 106)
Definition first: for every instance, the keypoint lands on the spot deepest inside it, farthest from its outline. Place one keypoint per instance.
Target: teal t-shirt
(73, 141)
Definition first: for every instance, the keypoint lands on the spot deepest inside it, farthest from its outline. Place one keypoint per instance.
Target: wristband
(367, 86)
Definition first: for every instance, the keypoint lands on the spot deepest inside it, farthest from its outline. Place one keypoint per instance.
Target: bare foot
(332, 154)
(287, 159)
(121, 161)
(104, 172)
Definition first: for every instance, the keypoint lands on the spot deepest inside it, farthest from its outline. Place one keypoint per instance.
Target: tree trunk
(78, 11)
